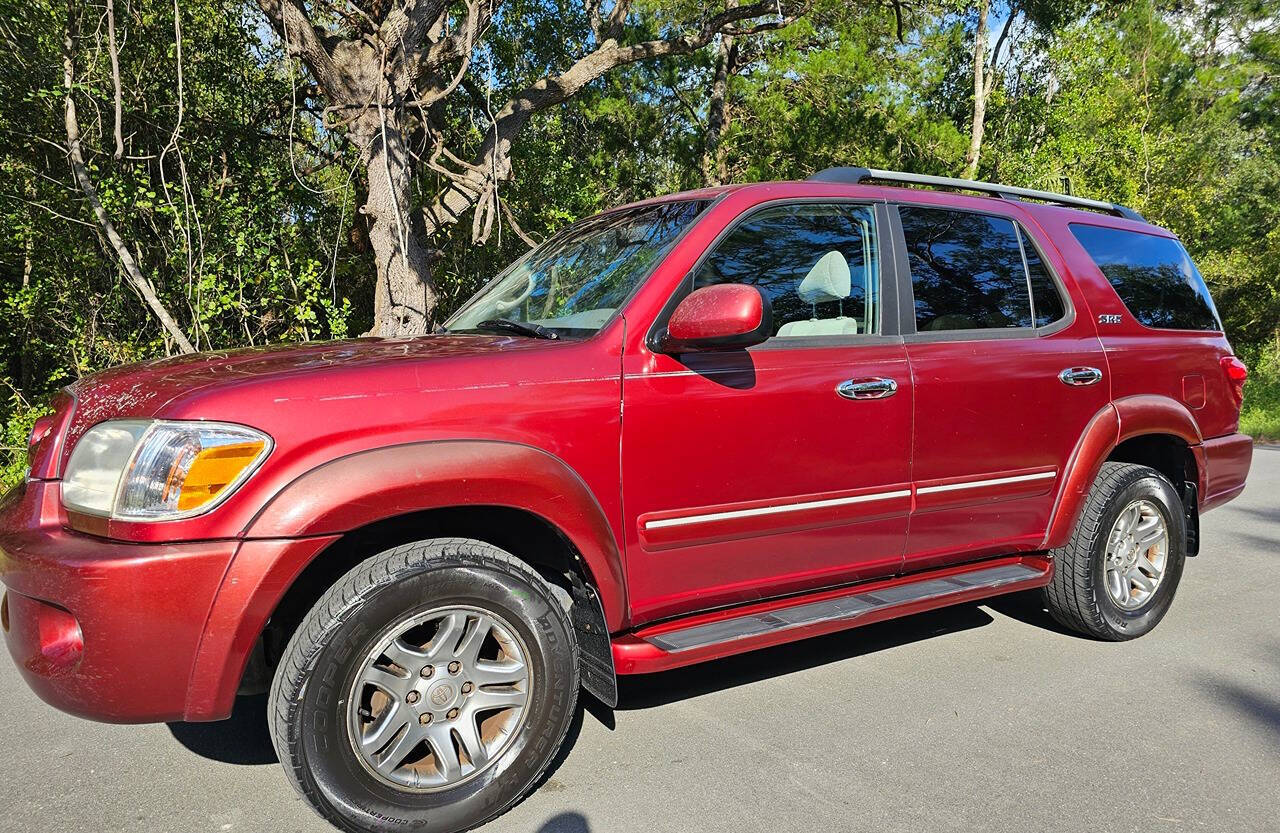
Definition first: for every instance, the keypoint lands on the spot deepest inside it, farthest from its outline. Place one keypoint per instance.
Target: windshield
(573, 283)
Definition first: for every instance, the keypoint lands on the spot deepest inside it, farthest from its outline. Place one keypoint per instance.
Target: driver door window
(818, 265)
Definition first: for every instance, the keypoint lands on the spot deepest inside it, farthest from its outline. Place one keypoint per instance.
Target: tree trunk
(411, 50)
(714, 171)
(405, 299)
(980, 90)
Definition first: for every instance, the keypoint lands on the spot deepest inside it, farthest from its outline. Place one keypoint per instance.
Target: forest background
(209, 174)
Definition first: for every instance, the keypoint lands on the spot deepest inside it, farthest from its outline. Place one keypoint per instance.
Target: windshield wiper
(524, 328)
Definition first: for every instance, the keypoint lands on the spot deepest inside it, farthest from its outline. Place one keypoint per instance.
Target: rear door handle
(875, 387)
(1080, 376)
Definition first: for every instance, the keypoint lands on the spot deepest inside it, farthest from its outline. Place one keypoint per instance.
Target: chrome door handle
(870, 388)
(1080, 376)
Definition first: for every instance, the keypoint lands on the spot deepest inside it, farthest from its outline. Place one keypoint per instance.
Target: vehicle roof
(896, 193)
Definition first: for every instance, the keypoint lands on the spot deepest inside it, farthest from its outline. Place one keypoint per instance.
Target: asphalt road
(981, 717)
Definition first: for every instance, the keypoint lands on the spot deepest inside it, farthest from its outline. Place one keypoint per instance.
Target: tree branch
(611, 27)
(460, 44)
(511, 220)
(293, 25)
(493, 164)
(995, 53)
(115, 75)
(139, 281)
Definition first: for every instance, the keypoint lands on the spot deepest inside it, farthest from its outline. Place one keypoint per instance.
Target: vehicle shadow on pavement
(569, 822)
(1028, 608)
(242, 739)
(651, 690)
(1262, 707)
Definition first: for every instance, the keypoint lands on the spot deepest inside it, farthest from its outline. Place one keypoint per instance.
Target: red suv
(679, 430)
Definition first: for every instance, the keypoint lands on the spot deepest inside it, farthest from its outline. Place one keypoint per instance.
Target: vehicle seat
(828, 280)
(951, 321)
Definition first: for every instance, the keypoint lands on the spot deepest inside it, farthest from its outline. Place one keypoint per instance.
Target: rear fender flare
(1151, 414)
(1123, 419)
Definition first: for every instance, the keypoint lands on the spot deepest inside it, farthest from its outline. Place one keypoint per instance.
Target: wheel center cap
(442, 694)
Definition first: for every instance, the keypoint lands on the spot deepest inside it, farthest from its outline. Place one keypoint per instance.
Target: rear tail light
(40, 432)
(1237, 374)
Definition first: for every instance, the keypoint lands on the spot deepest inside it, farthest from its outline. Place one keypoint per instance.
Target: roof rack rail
(854, 176)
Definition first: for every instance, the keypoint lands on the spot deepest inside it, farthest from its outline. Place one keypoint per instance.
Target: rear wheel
(429, 688)
(1116, 578)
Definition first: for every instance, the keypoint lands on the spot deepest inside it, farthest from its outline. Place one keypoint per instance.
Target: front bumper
(98, 628)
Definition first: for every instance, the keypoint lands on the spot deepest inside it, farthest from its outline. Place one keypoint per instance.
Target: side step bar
(732, 631)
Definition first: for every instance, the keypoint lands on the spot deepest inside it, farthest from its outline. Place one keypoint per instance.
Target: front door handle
(1080, 376)
(875, 387)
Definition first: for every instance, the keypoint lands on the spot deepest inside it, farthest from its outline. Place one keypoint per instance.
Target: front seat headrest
(828, 280)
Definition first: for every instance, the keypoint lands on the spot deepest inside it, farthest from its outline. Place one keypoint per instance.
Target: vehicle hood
(184, 374)
(143, 390)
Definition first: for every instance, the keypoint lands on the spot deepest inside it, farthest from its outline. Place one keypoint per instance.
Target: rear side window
(974, 272)
(1046, 302)
(1153, 275)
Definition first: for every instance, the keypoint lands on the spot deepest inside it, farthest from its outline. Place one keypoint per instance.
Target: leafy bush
(1261, 415)
(13, 440)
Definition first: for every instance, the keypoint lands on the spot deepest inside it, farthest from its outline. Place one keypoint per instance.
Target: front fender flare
(368, 486)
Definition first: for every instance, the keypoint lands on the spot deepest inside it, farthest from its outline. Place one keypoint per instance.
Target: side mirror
(726, 316)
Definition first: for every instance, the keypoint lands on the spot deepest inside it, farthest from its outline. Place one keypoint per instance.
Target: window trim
(890, 283)
(1059, 286)
(906, 291)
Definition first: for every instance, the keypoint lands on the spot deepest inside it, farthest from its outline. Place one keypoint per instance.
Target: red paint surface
(140, 608)
(602, 438)
(715, 312)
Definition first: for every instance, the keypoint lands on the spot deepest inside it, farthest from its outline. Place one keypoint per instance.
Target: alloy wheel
(439, 698)
(1137, 555)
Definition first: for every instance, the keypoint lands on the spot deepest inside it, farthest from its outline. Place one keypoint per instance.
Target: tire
(1079, 597)
(327, 665)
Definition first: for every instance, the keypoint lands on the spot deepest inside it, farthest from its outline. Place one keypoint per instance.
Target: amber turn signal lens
(213, 470)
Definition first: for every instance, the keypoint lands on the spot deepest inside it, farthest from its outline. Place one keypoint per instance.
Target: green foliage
(1161, 109)
(1260, 418)
(13, 440)
(242, 206)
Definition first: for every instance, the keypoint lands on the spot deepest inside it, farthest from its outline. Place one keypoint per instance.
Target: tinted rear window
(1046, 303)
(1153, 275)
(974, 271)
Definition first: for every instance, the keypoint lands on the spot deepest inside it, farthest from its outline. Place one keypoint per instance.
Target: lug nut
(425, 718)
(455, 667)
(413, 697)
(452, 713)
(466, 688)
(428, 671)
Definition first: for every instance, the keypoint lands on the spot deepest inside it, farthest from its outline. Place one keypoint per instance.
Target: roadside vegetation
(174, 178)
(1260, 418)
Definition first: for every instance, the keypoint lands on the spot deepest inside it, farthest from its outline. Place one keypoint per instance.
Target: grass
(1262, 422)
(1260, 418)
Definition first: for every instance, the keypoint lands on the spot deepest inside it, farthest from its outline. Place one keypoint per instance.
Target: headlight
(151, 470)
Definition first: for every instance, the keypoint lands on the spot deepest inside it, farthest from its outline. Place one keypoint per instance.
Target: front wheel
(428, 689)
(1115, 579)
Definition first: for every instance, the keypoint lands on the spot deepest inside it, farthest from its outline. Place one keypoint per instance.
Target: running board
(725, 632)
